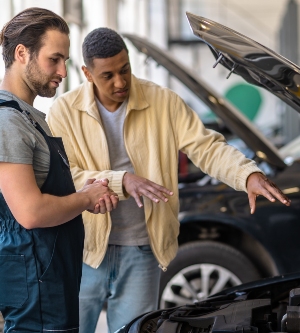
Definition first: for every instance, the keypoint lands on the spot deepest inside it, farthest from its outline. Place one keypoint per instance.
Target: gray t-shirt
(20, 141)
(128, 220)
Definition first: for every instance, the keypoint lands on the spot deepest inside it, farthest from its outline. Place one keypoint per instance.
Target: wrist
(124, 179)
(84, 199)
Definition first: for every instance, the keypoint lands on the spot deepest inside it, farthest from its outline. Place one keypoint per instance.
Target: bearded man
(41, 229)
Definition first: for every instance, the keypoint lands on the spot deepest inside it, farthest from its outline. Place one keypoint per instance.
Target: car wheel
(201, 269)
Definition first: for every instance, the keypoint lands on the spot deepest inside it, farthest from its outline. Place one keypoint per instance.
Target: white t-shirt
(128, 220)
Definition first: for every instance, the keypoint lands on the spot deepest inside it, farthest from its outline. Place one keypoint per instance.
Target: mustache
(56, 78)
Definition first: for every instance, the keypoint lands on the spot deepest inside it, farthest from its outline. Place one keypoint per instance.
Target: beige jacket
(157, 124)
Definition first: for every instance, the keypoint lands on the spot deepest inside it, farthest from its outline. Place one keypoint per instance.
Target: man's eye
(107, 77)
(125, 70)
(54, 60)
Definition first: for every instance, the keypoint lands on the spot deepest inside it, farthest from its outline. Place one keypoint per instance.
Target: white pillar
(158, 34)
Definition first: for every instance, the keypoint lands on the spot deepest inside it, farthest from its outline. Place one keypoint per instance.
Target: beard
(38, 81)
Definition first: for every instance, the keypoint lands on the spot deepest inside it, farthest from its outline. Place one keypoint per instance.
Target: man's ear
(21, 54)
(87, 73)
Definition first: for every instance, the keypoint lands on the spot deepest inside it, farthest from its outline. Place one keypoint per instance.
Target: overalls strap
(15, 105)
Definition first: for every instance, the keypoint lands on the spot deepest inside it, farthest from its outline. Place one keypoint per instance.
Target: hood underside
(254, 62)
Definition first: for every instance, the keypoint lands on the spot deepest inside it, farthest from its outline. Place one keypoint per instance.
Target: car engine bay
(267, 305)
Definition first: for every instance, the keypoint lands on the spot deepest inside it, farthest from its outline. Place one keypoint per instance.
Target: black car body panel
(269, 305)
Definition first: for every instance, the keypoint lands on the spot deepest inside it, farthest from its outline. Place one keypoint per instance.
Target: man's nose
(120, 82)
(62, 70)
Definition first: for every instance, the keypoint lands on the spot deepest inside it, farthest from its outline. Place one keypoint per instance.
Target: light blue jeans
(127, 279)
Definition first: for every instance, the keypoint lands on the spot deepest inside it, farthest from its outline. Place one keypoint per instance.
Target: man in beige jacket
(129, 131)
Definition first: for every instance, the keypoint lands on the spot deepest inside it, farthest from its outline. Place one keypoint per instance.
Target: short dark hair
(101, 43)
(28, 28)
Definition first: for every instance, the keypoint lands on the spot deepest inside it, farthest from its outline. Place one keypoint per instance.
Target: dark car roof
(233, 118)
(254, 62)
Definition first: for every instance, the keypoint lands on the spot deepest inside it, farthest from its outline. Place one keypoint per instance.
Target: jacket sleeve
(61, 126)
(209, 151)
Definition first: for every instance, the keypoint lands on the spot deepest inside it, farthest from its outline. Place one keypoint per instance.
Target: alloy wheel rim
(195, 283)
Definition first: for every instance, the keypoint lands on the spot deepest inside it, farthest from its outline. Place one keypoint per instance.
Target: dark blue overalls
(40, 269)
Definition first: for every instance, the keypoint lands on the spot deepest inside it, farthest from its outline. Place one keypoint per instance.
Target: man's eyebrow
(106, 73)
(126, 65)
(57, 54)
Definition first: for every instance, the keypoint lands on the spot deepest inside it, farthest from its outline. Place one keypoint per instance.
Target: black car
(269, 305)
(221, 243)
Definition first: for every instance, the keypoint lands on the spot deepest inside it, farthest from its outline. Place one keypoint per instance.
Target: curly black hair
(101, 43)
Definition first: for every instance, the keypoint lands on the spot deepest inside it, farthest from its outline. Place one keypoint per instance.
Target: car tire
(203, 268)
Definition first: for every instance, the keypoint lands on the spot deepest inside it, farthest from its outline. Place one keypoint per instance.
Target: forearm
(209, 151)
(224, 162)
(33, 209)
(230, 166)
(115, 178)
(50, 211)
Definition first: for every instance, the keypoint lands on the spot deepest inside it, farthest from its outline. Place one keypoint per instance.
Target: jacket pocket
(13, 281)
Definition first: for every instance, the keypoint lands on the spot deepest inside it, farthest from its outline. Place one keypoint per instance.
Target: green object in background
(246, 98)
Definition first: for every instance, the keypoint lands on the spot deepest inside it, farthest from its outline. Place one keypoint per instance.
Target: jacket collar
(85, 100)
(137, 100)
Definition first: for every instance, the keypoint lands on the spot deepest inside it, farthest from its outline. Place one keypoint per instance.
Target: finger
(114, 199)
(159, 190)
(104, 182)
(272, 192)
(97, 209)
(252, 202)
(267, 195)
(102, 206)
(277, 193)
(108, 202)
(137, 200)
(153, 197)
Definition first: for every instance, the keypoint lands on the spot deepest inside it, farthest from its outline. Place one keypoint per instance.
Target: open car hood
(232, 117)
(268, 305)
(254, 62)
